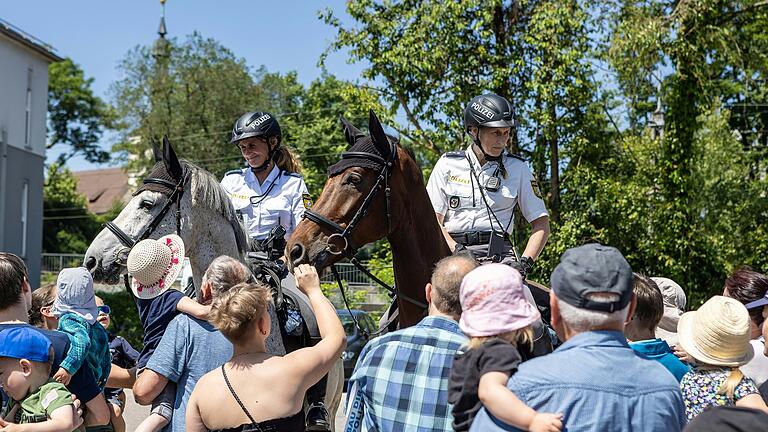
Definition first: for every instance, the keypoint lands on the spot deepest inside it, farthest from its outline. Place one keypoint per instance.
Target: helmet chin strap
(497, 159)
(266, 163)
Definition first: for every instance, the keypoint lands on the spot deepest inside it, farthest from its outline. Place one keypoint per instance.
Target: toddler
(26, 356)
(75, 309)
(497, 319)
(154, 265)
(717, 337)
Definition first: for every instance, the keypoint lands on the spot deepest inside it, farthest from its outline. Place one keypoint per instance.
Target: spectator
(641, 327)
(75, 309)
(124, 356)
(190, 347)
(717, 337)
(15, 302)
(40, 314)
(497, 318)
(25, 369)
(748, 286)
(674, 306)
(154, 266)
(222, 400)
(595, 379)
(400, 382)
(729, 419)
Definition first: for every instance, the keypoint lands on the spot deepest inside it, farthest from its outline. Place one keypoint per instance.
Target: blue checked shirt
(400, 382)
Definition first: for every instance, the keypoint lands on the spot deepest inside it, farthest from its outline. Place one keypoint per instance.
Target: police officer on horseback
(270, 196)
(474, 192)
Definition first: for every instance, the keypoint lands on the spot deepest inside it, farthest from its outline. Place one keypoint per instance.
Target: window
(28, 112)
(24, 216)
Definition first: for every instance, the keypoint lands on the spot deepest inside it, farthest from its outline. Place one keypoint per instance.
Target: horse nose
(90, 263)
(297, 254)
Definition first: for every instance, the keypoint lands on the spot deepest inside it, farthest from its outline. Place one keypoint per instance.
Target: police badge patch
(454, 201)
(307, 200)
(535, 187)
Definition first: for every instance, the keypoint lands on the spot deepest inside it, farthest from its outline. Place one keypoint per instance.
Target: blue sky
(282, 36)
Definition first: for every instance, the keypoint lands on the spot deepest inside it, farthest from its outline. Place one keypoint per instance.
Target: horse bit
(340, 241)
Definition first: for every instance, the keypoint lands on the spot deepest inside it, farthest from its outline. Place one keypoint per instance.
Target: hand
(524, 266)
(62, 376)
(682, 355)
(307, 279)
(77, 411)
(546, 422)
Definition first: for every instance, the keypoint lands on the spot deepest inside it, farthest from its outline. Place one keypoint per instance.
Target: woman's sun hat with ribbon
(154, 265)
(493, 302)
(717, 333)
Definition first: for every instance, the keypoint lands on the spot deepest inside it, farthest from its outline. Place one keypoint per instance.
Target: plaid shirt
(88, 345)
(400, 382)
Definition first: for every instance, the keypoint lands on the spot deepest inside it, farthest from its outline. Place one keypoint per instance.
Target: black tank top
(294, 423)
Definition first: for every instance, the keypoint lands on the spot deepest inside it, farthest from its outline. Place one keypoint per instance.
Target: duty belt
(472, 238)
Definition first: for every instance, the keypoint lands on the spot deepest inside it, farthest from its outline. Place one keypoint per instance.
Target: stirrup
(318, 418)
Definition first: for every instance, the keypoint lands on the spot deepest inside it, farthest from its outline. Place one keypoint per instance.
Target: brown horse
(398, 208)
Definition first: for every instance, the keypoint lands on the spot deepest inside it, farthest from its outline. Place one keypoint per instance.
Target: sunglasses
(104, 309)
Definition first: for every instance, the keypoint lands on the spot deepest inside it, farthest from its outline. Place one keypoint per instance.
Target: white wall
(15, 61)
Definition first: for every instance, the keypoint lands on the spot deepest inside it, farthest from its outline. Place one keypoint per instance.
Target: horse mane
(208, 190)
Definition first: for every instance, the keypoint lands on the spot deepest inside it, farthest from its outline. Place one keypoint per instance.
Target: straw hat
(154, 265)
(718, 333)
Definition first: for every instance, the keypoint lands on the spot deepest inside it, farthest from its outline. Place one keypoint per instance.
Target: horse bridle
(177, 191)
(346, 246)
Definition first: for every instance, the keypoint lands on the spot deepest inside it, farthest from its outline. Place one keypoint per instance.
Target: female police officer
(474, 192)
(267, 193)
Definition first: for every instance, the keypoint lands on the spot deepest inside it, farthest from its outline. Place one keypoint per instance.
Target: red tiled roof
(103, 187)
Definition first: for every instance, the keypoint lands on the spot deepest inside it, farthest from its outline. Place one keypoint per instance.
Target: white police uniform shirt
(280, 199)
(455, 194)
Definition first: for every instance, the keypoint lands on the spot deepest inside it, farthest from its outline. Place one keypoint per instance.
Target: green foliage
(76, 117)
(68, 227)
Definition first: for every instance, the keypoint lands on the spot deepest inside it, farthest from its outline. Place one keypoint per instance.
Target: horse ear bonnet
(362, 144)
(161, 171)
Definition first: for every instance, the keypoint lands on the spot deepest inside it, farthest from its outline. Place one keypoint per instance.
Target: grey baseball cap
(593, 268)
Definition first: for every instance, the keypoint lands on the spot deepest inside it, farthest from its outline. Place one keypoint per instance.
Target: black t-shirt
(82, 383)
(496, 355)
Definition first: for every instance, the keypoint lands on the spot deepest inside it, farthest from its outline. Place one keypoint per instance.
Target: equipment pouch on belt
(496, 246)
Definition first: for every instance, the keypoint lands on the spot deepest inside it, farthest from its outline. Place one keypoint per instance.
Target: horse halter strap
(347, 247)
(174, 197)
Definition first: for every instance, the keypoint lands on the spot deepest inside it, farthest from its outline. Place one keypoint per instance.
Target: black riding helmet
(253, 124)
(488, 110)
(258, 124)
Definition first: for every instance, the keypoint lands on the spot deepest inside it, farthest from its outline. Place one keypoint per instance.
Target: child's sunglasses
(104, 309)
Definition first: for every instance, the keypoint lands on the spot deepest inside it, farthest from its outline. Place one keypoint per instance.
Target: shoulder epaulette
(517, 156)
(294, 174)
(237, 171)
(455, 154)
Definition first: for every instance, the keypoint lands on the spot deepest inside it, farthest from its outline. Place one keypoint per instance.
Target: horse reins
(177, 192)
(347, 247)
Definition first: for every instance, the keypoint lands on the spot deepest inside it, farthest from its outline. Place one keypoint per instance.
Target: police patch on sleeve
(307, 200)
(535, 187)
(453, 202)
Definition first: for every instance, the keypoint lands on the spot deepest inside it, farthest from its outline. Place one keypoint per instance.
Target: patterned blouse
(700, 387)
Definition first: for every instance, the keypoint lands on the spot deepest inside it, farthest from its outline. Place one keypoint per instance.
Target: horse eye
(354, 179)
(146, 204)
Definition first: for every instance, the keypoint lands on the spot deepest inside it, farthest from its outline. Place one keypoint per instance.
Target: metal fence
(53, 263)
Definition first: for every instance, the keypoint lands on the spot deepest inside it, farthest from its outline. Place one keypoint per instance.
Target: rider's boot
(318, 419)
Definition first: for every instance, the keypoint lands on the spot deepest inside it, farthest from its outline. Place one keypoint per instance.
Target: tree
(76, 117)
(68, 227)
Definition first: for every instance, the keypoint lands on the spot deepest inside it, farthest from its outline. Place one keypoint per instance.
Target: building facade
(24, 64)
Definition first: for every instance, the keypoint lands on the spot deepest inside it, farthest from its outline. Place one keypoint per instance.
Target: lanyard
(488, 208)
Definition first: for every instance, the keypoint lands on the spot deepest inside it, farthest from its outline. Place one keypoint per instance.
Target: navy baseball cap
(24, 343)
(593, 268)
(758, 303)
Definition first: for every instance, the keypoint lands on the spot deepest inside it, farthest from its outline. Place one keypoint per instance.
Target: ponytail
(286, 160)
(728, 387)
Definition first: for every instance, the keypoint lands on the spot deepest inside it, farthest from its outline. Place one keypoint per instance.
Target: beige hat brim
(147, 292)
(687, 342)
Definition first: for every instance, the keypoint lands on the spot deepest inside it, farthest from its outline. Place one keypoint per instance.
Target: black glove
(524, 266)
(459, 248)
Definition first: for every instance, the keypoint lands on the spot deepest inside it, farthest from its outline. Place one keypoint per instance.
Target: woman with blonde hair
(255, 390)
(717, 337)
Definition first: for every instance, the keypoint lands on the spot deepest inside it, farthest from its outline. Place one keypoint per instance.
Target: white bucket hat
(154, 265)
(717, 333)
